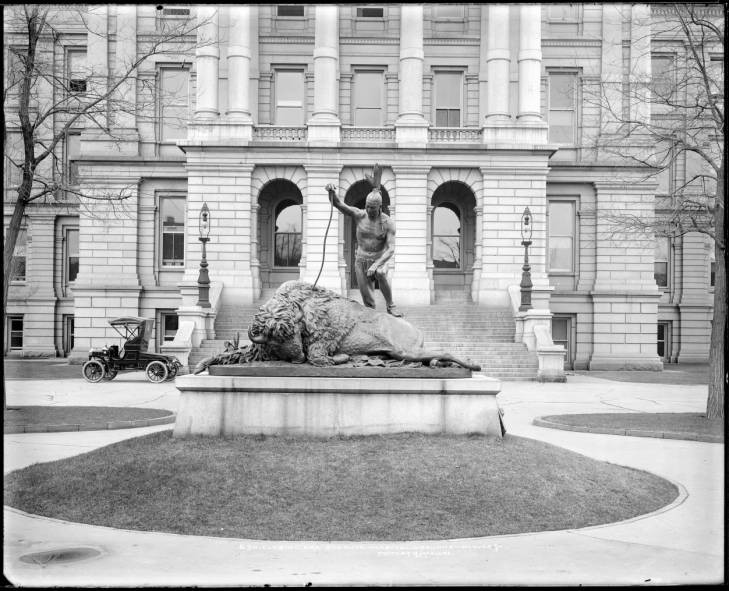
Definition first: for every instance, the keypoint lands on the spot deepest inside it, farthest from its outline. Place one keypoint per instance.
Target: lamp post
(526, 277)
(203, 280)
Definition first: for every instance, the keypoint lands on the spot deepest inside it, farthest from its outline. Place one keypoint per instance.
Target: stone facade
(485, 148)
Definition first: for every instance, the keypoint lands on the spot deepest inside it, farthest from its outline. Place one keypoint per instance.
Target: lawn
(77, 415)
(394, 487)
(688, 424)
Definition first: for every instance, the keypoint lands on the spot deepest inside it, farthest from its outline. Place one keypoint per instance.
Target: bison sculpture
(305, 323)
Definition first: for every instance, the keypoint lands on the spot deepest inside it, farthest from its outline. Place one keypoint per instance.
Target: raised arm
(343, 207)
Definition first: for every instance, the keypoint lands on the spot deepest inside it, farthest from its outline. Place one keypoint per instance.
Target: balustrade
(275, 133)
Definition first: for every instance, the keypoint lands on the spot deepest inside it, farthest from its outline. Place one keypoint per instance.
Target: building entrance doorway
(453, 237)
(280, 223)
(356, 197)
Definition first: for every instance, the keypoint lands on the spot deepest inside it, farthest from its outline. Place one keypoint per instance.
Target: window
(168, 323)
(17, 264)
(68, 332)
(174, 102)
(15, 332)
(712, 267)
(77, 70)
(172, 229)
(562, 107)
(15, 71)
(72, 259)
(561, 236)
(447, 11)
(370, 12)
(287, 234)
(367, 98)
(448, 99)
(562, 335)
(73, 152)
(175, 12)
(13, 155)
(663, 76)
(290, 10)
(567, 13)
(289, 93)
(446, 237)
(660, 266)
(663, 341)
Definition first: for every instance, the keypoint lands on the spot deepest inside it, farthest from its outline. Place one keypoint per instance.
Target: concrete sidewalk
(679, 544)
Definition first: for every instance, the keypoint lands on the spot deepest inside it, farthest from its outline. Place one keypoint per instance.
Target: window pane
(560, 329)
(174, 123)
(561, 91)
(662, 74)
(77, 71)
(287, 251)
(448, 11)
(293, 116)
(284, 10)
(368, 118)
(289, 219)
(290, 87)
(560, 253)
(17, 271)
(712, 273)
(15, 327)
(445, 222)
(562, 127)
(660, 273)
(173, 212)
(454, 118)
(662, 248)
(72, 260)
(370, 12)
(172, 218)
(170, 322)
(174, 84)
(448, 86)
(561, 219)
(446, 252)
(368, 90)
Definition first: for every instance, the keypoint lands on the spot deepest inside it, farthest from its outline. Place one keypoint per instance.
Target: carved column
(324, 124)
(239, 64)
(498, 59)
(530, 62)
(207, 58)
(124, 118)
(411, 126)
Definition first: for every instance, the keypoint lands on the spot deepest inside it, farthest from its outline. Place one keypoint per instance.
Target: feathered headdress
(374, 180)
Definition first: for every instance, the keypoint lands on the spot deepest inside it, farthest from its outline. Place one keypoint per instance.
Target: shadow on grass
(395, 487)
(77, 415)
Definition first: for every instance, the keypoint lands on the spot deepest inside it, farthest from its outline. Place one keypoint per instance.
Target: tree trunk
(717, 370)
(11, 237)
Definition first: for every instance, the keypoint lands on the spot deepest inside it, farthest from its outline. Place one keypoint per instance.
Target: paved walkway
(679, 544)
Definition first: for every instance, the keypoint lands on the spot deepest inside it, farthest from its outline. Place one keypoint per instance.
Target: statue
(305, 323)
(375, 243)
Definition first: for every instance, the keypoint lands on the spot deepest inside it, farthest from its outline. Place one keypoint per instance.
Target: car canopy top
(135, 327)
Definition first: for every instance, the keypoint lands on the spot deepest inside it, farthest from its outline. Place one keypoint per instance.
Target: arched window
(446, 237)
(287, 234)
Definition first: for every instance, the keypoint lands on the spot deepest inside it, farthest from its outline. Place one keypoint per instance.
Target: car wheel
(173, 373)
(111, 373)
(156, 371)
(93, 371)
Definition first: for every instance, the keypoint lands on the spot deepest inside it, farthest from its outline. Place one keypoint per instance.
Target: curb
(12, 429)
(539, 422)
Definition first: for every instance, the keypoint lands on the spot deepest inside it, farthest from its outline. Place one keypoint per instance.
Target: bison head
(276, 325)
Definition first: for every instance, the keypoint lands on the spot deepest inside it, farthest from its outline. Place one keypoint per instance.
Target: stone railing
(368, 134)
(454, 135)
(275, 133)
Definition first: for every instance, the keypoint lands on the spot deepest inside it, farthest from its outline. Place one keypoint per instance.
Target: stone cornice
(571, 42)
(287, 40)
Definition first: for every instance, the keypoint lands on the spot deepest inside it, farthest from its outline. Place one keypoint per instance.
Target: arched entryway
(356, 196)
(453, 236)
(280, 223)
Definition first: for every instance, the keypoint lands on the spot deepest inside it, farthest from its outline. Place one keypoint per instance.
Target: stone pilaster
(696, 303)
(317, 213)
(611, 68)
(324, 125)
(107, 285)
(226, 188)
(124, 121)
(411, 127)
(410, 282)
(625, 296)
(530, 62)
(507, 192)
(640, 62)
(93, 138)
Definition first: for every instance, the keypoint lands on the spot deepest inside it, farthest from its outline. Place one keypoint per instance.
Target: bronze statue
(305, 323)
(375, 242)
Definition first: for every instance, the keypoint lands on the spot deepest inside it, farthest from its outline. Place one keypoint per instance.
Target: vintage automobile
(105, 363)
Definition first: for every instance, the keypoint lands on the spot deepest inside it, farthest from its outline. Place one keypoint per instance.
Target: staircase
(453, 324)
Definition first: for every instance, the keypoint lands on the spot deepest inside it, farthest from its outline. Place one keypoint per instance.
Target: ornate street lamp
(203, 280)
(526, 277)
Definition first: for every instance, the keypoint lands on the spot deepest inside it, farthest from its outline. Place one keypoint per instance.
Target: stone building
(475, 112)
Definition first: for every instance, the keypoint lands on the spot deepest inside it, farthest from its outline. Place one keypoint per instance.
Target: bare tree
(45, 102)
(671, 121)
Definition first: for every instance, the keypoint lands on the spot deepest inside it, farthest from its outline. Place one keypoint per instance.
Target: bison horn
(260, 339)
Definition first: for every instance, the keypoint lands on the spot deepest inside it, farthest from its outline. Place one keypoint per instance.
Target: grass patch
(394, 487)
(76, 415)
(687, 423)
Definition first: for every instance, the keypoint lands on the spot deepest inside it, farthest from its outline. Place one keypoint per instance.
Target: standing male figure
(375, 244)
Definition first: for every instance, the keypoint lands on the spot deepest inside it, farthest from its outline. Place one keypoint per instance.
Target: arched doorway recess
(453, 237)
(280, 232)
